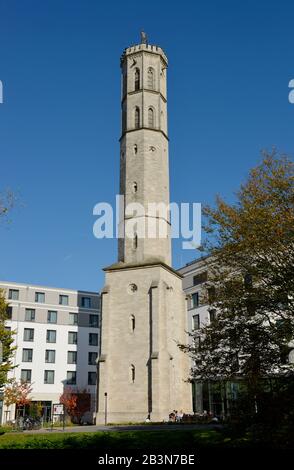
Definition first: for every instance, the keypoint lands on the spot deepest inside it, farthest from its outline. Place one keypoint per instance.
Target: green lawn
(139, 440)
(143, 440)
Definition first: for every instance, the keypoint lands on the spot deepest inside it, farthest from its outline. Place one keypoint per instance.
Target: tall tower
(140, 366)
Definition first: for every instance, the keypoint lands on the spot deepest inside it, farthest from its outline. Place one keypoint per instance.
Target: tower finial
(143, 37)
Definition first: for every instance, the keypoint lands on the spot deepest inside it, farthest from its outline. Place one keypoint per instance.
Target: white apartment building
(194, 276)
(205, 395)
(57, 339)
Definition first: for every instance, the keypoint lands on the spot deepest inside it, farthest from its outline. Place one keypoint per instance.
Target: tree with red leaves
(76, 403)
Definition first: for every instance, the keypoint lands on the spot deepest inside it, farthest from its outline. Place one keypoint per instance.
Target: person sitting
(179, 416)
(172, 416)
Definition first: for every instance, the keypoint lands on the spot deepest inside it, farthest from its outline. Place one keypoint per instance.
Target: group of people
(175, 416)
(178, 416)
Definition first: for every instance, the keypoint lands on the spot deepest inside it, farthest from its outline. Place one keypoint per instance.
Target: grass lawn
(139, 440)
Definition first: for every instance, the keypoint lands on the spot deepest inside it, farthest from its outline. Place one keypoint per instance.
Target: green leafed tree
(6, 340)
(250, 247)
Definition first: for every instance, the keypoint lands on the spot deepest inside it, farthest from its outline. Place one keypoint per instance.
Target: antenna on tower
(143, 37)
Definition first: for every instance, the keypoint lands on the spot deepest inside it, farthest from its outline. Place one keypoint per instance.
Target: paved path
(149, 427)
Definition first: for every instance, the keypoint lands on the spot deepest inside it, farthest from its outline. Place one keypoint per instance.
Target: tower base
(141, 368)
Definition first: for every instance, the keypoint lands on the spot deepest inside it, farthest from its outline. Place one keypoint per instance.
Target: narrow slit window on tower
(137, 79)
(150, 79)
(135, 187)
(137, 118)
(135, 149)
(135, 241)
(132, 323)
(150, 117)
(133, 373)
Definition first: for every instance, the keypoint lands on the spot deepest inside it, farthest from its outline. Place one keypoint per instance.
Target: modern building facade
(57, 339)
(141, 370)
(198, 315)
(206, 395)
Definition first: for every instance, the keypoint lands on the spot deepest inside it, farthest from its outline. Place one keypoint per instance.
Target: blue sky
(229, 68)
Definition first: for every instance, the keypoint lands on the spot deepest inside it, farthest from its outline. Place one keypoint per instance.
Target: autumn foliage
(250, 264)
(76, 403)
(17, 393)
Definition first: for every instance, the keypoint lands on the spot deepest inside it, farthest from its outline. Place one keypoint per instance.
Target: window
(212, 315)
(150, 117)
(40, 297)
(48, 376)
(86, 302)
(73, 318)
(196, 322)
(52, 316)
(27, 355)
(93, 339)
(132, 373)
(137, 118)
(71, 377)
(71, 357)
(28, 334)
(92, 356)
(13, 294)
(137, 79)
(132, 323)
(197, 342)
(135, 241)
(93, 321)
(26, 375)
(8, 313)
(150, 79)
(51, 336)
(200, 278)
(248, 281)
(72, 337)
(211, 294)
(91, 378)
(50, 356)
(63, 300)
(135, 187)
(195, 300)
(30, 314)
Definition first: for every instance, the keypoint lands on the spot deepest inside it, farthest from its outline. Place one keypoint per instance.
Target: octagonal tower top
(143, 47)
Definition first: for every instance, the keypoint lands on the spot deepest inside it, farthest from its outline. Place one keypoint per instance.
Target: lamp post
(105, 408)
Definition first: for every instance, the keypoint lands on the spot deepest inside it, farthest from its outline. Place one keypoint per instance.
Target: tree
(6, 340)
(250, 244)
(76, 403)
(17, 393)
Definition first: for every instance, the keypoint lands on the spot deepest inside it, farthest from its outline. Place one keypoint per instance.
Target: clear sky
(229, 67)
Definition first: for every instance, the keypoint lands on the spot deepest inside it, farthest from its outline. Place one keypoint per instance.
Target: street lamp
(105, 408)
